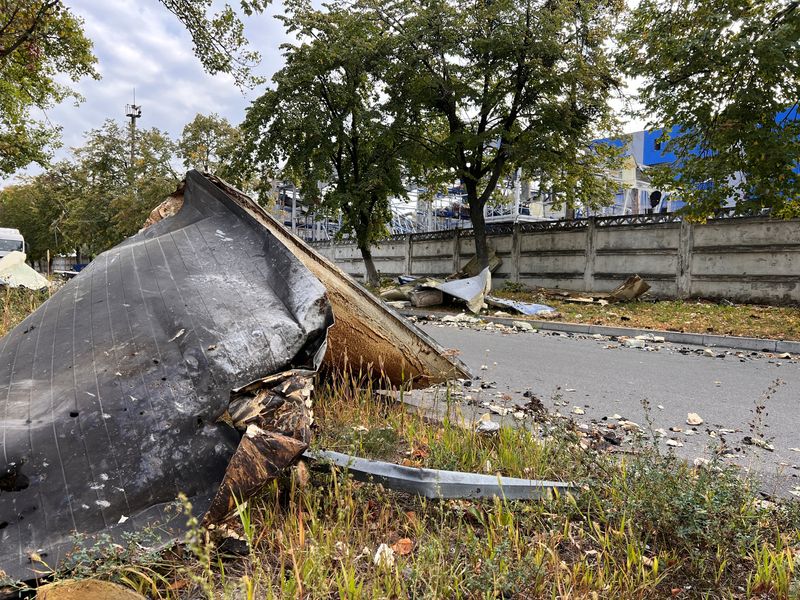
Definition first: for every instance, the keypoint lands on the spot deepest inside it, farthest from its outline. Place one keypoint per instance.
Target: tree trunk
(478, 226)
(372, 272)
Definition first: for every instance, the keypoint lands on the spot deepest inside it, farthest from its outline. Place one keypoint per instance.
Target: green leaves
(97, 198)
(41, 45)
(726, 72)
(325, 125)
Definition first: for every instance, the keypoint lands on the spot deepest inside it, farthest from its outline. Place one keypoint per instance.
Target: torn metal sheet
(633, 287)
(14, 272)
(117, 393)
(112, 391)
(438, 484)
(525, 308)
(471, 290)
(366, 334)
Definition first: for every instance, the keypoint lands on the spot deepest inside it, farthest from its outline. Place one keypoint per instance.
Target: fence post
(588, 269)
(456, 251)
(683, 279)
(407, 257)
(515, 252)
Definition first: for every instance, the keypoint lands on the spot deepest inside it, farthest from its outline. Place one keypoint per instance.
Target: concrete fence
(744, 259)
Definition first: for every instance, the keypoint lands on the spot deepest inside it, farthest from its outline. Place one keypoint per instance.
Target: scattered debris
(525, 308)
(633, 287)
(694, 419)
(14, 272)
(384, 557)
(758, 443)
(674, 443)
(486, 425)
(83, 589)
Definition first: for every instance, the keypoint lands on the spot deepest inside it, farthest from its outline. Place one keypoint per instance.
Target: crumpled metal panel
(110, 391)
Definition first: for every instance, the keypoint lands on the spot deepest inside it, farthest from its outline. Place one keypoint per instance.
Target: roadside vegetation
(643, 524)
(691, 316)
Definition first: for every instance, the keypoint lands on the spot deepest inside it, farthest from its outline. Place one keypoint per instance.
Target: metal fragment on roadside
(439, 484)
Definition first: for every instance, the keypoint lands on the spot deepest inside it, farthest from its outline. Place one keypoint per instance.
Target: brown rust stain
(261, 456)
(365, 333)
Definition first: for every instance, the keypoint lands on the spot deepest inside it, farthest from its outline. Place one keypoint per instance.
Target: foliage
(37, 209)
(110, 197)
(41, 45)
(327, 119)
(219, 40)
(98, 197)
(494, 87)
(207, 143)
(719, 76)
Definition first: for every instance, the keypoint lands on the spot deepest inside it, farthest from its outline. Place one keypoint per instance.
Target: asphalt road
(568, 371)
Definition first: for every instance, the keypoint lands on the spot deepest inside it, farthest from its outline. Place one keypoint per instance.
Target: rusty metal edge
(404, 337)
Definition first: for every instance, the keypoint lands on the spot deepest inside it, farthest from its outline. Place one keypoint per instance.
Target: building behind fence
(742, 259)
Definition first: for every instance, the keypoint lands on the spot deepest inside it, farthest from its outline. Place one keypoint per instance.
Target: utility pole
(133, 111)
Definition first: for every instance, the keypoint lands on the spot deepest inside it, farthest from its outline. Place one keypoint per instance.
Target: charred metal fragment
(260, 457)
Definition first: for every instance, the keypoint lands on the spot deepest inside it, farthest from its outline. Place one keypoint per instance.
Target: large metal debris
(439, 484)
(128, 385)
(366, 332)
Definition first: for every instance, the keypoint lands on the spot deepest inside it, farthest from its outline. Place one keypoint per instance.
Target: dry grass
(645, 526)
(691, 316)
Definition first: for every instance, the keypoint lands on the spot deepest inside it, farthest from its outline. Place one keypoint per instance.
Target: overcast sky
(139, 44)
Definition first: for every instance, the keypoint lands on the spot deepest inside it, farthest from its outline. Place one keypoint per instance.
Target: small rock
(709, 352)
(694, 419)
(486, 425)
(633, 343)
(701, 462)
(499, 410)
(578, 411)
(785, 355)
(674, 443)
(523, 325)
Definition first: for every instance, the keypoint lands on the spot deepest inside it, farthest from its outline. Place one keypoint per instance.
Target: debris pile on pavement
(474, 291)
(179, 361)
(14, 272)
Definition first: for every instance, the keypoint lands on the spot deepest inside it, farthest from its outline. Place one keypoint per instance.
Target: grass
(691, 316)
(644, 525)
(16, 304)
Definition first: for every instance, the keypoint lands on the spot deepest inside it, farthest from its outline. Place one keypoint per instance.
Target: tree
(207, 142)
(507, 85)
(41, 44)
(36, 208)
(108, 198)
(722, 77)
(327, 120)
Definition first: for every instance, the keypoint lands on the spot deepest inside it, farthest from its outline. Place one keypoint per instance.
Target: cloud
(142, 45)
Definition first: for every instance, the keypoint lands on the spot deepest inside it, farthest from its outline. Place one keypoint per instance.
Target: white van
(10, 240)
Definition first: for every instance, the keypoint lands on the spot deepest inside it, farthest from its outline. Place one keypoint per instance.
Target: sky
(140, 44)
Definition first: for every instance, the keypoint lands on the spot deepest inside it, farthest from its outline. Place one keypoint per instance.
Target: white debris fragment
(486, 425)
(694, 419)
(384, 557)
(499, 410)
(674, 443)
(578, 411)
(177, 335)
